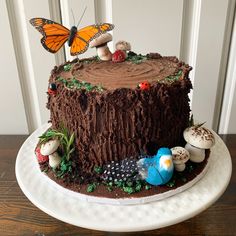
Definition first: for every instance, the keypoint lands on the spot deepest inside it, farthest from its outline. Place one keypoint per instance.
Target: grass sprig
(66, 140)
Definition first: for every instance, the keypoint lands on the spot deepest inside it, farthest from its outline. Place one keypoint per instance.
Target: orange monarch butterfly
(55, 35)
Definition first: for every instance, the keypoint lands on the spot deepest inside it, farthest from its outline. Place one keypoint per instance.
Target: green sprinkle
(97, 58)
(98, 169)
(138, 187)
(147, 187)
(45, 170)
(136, 59)
(183, 179)
(171, 183)
(128, 190)
(130, 184)
(109, 188)
(173, 78)
(99, 88)
(190, 168)
(67, 67)
(91, 187)
(119, 184)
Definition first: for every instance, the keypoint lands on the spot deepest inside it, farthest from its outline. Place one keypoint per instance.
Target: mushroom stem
(100, 43)
(180, 167)
(54, 160)
(197, 155)
(104, 53)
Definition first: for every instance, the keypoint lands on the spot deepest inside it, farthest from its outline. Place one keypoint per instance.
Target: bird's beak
(167, 163)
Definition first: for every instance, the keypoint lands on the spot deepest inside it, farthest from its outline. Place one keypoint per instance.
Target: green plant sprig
(66, 140)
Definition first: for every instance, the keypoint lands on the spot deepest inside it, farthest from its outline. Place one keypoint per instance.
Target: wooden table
(18, 216)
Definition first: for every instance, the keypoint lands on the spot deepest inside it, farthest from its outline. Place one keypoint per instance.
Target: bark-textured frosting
(122, 121)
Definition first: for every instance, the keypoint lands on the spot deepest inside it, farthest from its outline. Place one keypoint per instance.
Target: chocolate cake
(112, 117)
(119, 128)
(120, 121)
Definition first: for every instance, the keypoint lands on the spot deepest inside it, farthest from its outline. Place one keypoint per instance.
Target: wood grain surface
(18, 216)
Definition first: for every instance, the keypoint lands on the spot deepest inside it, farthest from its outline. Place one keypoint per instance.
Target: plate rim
(117, 228)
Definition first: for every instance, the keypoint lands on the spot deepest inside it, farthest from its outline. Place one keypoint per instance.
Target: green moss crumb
(136, 59)
(73, 83)
(173, 78)
(98, 169)
(91, 187)
(147, 187)
(128, 190)
(171, 183)
(67, 67)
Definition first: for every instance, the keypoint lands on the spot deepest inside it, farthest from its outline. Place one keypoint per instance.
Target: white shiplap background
(200, 32)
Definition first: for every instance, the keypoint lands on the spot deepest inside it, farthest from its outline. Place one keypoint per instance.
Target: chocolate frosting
(122, 121)
(127, 74)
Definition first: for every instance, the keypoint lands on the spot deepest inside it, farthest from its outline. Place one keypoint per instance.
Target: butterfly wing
(86, 35)
(78, 46)
(54, 34)
(90, 32)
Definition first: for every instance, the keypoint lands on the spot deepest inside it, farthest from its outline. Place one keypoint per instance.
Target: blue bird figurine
(157, 170)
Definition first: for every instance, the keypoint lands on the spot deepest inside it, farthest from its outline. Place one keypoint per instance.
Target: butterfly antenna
(82, 16)
(73, 15)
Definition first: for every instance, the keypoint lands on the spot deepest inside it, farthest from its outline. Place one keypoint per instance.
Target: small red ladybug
(144, 85)
(52, 89)
(52, 92)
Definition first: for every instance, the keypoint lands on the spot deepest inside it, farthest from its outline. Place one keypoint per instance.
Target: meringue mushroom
(198, 139)
(180, 156)
(199, 136)
(49, 147)
(123, 46)
(54, 160)
(100, 43)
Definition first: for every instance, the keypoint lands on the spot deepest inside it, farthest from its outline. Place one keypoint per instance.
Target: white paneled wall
(67, 18)
(150, 26)
(203, 46)
(12, 112)
(34, 63)
(228, 114)
(197, 31)
(42, 61)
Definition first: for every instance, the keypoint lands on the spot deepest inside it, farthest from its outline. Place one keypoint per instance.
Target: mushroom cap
(103, 38)
(49, 147)
(123, 45)
(179, 155)
(199, 136)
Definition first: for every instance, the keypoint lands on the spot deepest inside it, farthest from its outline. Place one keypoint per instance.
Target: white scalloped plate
(77, 209)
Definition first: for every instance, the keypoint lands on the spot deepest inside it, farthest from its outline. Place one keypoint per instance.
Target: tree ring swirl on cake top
(128, 74)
